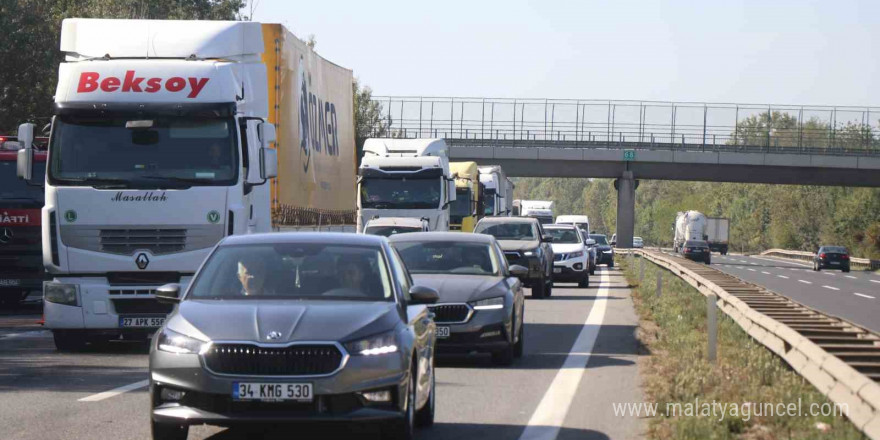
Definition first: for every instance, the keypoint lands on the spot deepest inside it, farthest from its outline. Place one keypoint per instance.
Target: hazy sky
(749, 51)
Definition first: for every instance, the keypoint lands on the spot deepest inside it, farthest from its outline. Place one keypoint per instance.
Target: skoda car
(295, 327)
(524, 243)
(481, 301)
(571, 259)
(604, 251)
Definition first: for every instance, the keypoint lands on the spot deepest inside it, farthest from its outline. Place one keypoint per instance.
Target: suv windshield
(448, 258)
(508, 231)
(294, 271)
(564, 235)
(143, 150)
(600, 239)
(397, 194)
(16, 191)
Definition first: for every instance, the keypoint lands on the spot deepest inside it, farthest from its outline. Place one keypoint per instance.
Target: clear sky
(749, 51)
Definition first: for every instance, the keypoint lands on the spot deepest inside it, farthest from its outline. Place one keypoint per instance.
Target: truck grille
(141, 306)
(451, 313)
(253, 360)
(128, 241)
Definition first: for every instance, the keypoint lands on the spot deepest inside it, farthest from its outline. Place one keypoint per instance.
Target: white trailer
(539, 209)
(717, 231)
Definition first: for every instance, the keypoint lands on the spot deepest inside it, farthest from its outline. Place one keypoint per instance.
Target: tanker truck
(690, 225)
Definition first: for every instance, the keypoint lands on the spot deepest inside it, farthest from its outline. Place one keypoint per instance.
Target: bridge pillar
(626, 209)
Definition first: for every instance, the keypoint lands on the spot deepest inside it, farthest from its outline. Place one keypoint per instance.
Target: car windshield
(387, 231)
(696, 243)
(400, 194)
(143, 151)
(600, 239)
(563, 235)
(835, 250)
(294, 271)
(508, 231)
(447, 257)
(16, 191)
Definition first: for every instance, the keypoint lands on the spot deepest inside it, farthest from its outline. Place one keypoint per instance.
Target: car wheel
(585, 281)
(520, 342)
(425, 416)
(505, 356)
(165, 431)
(592, 270)
(846, 270)
(65, 341)
(403, 429)
(611, 263)
(538, 287)
(548, 289)
(818, 267)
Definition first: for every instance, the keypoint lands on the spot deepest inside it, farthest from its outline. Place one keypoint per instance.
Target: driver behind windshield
(252, 276)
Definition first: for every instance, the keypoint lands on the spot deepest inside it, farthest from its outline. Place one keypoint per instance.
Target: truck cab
(539, 209)
(467, 208)
(405, 178)
(495, 200)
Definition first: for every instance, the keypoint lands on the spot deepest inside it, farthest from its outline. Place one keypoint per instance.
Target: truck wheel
(65, 341)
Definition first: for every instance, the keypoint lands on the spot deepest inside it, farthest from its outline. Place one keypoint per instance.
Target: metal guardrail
(862, 263)
(841, 359)
(564, 123)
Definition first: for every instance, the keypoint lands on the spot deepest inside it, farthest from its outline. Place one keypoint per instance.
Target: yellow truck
(467, 207)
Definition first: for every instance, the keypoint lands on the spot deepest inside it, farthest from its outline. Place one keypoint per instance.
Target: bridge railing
(633, 124)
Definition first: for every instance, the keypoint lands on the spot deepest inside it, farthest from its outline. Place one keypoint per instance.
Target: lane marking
(765, 273)
(850, 277)
(830, 287)
(739, 267)
(753, 270)
(30, 334)
(782, 276)
(115, 391)
(863, 295)
(828, 273)
(549, 416)
(805, 282)
(874, 281)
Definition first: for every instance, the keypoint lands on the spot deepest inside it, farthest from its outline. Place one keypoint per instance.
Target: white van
(581, 221)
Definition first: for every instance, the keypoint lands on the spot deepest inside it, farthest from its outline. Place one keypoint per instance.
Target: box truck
(405, 178)
(539, 209)
(161, 145)
(690, 225)
(496, 201)
(717, 231)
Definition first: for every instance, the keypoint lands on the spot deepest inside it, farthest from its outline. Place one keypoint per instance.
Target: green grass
(673, 330)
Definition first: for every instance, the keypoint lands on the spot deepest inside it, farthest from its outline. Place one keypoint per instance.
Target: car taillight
(821, 255)
(844, 257)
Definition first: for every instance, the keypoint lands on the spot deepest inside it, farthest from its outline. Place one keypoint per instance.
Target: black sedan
(831, 257)
(697, 250)
(481, 301)
(604, 251)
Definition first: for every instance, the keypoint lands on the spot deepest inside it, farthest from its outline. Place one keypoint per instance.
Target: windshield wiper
(179, 179)
(104, 182)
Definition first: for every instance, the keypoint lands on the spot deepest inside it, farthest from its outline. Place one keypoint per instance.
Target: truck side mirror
(266, 132)
(25, 159)
(268, 163)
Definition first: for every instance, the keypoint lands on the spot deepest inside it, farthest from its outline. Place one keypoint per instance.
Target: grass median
(672, 328)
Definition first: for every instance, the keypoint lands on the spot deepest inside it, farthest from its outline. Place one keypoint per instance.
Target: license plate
(442, 332)
(835, 262)
(557, 270)
(10, 283)
(141, 322)
(273, 392)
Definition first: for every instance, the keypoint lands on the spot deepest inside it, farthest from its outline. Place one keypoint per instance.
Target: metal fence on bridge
(633, 124)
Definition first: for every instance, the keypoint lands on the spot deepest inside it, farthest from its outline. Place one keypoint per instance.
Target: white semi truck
(496, 202)
(160, 147)
(539, 209)
(689, 225)
(405, 178)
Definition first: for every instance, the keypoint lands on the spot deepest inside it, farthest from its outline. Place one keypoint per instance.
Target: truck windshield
(400, 194)
(143, 150)
(14, 191)
(461, 206)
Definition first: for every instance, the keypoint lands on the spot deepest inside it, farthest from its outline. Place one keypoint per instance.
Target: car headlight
(577, 254)
(60, 293)
(529, 253)
(374, 345)
(173, 342)
(489, 303)
(607, 252)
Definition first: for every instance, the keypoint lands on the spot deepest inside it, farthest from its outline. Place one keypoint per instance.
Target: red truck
(21, 250)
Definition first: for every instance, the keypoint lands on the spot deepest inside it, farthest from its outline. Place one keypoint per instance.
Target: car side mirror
(518, 271)
(168, 294)
(423, 295)
(591, 242)
(547, 238)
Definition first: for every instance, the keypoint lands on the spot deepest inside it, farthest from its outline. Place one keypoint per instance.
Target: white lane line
(753, 270)
(115, 391)
(739, 267)
(793, 268)
(830, 287)
(30, 334)
(863, 295)
(549, 416)
(765, 273)
(805, 282)
(782, 276)
(850, 277)
(874, 281)
(828, 273)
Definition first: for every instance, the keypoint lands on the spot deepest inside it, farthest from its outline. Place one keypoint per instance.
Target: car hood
(566, 248)
(253, 320)
(602, 247)
(518, 245)
(462, 288)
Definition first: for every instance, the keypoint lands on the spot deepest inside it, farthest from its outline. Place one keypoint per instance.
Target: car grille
(157, 241)
(141, 305)
(253, 360)
(451, 313)
(560, 257)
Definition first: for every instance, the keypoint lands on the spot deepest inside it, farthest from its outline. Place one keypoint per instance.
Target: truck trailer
(539, 209)
(163, 142)
(495, 198)
(717, 231)
(690, 225)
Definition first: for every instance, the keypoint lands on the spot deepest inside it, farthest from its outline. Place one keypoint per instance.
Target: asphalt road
(581, 357)
(853, 296)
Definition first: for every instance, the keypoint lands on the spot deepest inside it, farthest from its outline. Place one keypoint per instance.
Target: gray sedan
(481, 301)
(295, 327)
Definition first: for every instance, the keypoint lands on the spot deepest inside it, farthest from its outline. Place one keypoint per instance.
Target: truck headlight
(489, 304)
(60, 293)
(383, 343)
(173, 342)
